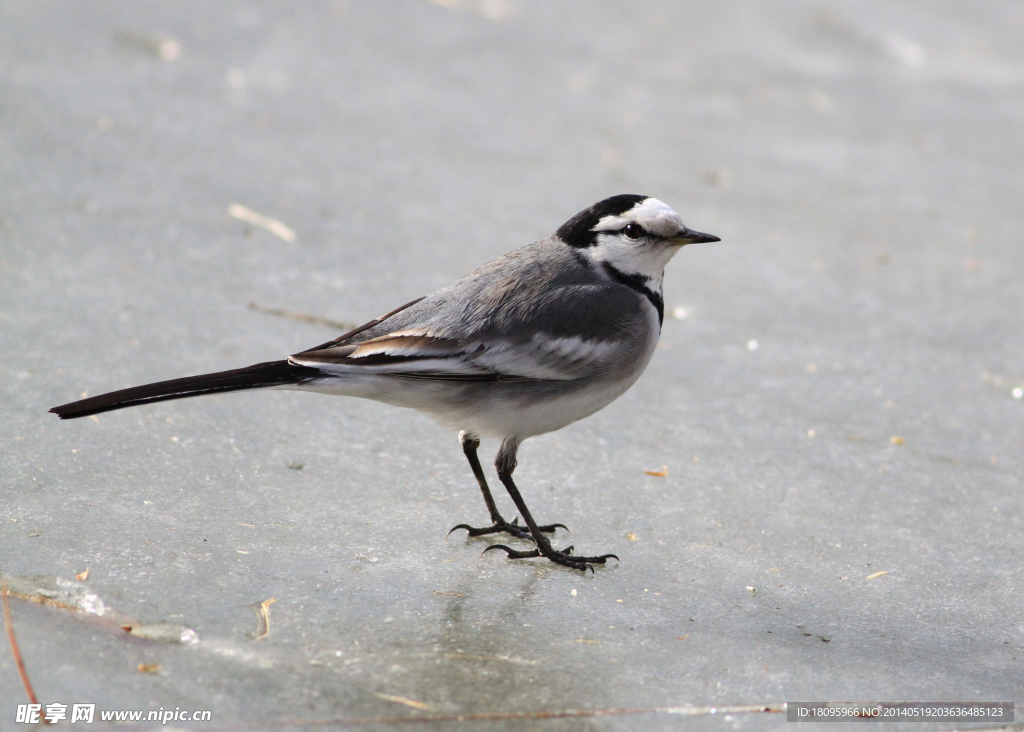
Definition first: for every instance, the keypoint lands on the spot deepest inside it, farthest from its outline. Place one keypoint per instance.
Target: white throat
(647, 261)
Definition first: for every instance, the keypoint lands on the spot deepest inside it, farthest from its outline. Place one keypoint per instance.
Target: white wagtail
(535, 340)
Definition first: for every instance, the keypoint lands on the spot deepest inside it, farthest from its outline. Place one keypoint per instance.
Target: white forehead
(650, 213)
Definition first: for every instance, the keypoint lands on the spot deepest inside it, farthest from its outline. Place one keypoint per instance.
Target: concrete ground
(835, 410)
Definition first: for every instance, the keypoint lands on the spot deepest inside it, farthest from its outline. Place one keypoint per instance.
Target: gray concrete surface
(836, 409)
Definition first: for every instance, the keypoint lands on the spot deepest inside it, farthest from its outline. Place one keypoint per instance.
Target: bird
(537, 339)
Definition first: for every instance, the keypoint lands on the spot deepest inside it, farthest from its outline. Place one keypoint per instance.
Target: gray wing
(539, 313)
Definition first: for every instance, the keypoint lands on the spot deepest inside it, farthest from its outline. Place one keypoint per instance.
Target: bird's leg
(506, 463)
(470, 443)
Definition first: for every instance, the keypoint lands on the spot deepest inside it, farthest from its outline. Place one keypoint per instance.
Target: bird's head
(635, 234)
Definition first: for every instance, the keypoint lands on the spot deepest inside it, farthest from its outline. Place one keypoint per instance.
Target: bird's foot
(563, 556)
(501, 526)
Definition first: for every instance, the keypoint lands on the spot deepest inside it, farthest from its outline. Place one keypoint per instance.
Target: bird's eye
(634, 230)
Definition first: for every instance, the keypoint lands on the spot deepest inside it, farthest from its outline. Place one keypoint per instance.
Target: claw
(512, 553)
(563, 557)
(550, 528)
(505, 527)
(546, 528)
(501, 526)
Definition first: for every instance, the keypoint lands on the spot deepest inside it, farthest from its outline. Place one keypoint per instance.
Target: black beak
(689, 236)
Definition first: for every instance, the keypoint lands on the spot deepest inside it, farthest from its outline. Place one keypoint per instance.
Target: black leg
(506, 463)
(470, 443)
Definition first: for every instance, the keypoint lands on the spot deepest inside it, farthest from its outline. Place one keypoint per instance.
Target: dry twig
(407, 702)
(265, 617)
(266, 223)
(9, 624)
(304, 317)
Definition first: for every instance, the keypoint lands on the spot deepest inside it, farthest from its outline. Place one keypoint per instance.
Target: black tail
(272, 373)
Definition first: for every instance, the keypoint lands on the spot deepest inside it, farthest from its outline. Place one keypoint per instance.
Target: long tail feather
(259, 376)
